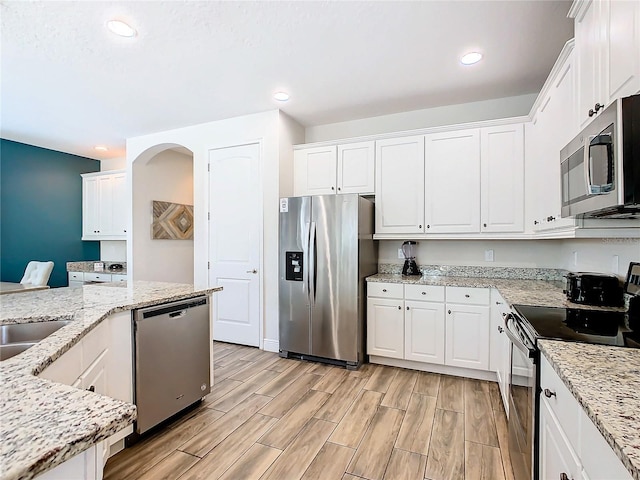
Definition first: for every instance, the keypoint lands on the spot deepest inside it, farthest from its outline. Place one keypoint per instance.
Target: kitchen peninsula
(44, 424)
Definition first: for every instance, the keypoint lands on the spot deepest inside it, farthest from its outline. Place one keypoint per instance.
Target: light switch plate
(400, 254)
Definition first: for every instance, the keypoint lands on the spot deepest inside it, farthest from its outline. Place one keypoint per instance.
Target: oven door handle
(529, 352)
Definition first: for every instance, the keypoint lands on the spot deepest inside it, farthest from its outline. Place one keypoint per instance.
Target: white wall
(167, 177)
(265, 128)
(113, 164)
(431, 117)
(594, 255)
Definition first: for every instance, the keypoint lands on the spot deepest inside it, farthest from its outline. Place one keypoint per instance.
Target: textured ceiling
(68, 84)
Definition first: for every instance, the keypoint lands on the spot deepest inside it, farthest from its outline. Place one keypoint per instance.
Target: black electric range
(578, 325)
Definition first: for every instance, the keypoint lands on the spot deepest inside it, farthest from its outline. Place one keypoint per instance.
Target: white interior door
(235, 208)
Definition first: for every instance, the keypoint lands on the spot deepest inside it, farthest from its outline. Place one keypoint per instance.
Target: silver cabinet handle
(548, 393)
(254, 271)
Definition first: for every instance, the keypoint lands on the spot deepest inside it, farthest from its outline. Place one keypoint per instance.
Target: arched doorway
(162, 189)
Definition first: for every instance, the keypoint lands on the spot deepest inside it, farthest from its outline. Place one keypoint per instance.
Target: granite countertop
(603, 381)
(43, 423)
(88, 267)
(546, 293)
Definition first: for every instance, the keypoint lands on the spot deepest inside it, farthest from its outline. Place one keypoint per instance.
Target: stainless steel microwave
(601, 166)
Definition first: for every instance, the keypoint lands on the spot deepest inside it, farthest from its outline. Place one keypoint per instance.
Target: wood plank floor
(273, 418)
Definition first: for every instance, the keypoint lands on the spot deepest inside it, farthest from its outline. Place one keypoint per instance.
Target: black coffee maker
(410, 266)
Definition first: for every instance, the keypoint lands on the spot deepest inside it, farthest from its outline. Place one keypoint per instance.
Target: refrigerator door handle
(306, 257)
(313, 263)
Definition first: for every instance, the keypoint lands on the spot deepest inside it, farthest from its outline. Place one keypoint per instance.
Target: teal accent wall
(41, 210)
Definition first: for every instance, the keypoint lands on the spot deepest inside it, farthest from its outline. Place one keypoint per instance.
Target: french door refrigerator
(326, 251)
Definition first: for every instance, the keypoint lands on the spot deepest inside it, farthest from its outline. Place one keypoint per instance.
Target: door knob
(252, 271)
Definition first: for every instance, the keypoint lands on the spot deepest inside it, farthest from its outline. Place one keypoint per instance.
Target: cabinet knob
(484, 224)
(597, 107)
(424, 293)
(333, 188)
(399, 307)
(500, 329)
(449, 312)
(564, 476)
(339, 189)
(467, 295)
(420, 226)
(428, 226)
(384, 289)
(92, 388)
(498, 303)
(536, 222)
(407, 308)
(591, 112)
(548, 393)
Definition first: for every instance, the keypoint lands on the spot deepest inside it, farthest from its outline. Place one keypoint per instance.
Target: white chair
(37, 273)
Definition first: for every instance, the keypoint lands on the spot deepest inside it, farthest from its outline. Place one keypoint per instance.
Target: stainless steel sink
(13, 349)
(16, 338)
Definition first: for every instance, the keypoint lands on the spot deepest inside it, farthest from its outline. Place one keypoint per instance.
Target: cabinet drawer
(76, 276)
(94, 343)
(428, 293)
(97, 277)
(561, 401)
(118, 278)
(469, 296)
(385, 290)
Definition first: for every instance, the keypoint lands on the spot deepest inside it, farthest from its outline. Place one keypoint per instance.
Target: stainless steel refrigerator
(326, 251)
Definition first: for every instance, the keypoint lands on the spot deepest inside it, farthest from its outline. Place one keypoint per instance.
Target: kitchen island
(44, 423)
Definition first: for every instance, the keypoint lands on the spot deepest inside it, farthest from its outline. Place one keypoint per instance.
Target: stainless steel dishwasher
(172, 356)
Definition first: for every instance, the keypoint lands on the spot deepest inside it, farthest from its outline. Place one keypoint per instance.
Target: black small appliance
(594, 289)
(410, 266)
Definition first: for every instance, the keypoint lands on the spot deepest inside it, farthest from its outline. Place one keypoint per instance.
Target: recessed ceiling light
(100, 148)
(121, 28)
(281, 96)
(471, 58)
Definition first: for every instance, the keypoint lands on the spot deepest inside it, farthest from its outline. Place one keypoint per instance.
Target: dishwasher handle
(174, 309)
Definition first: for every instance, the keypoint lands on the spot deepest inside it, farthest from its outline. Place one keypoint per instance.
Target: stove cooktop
(579, 325)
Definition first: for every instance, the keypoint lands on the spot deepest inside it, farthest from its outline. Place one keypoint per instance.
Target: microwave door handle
(587, 163)
(529, 352)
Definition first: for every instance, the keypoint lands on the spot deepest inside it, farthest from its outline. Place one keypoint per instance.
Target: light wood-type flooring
(281, 419)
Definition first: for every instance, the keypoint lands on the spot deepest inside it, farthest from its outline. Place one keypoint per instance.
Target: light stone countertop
(43, 423)
(515, 291)
(604, 382)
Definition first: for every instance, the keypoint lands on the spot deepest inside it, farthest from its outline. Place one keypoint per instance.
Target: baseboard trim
(271, 345)
(434, 368)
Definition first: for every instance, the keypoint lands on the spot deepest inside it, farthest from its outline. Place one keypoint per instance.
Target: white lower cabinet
(570, 444)
(101, 362)
(410, 323)
(385, 327)
(499, 346)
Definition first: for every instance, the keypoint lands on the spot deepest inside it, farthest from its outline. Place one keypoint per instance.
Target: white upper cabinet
(356, 168)
(348, 168)
(607, 34)
(502, 173)
(104, 206)
(315, 171)
(452, 182)
(400, 185)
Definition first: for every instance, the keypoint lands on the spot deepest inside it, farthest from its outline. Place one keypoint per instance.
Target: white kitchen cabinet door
(589, 49)
(356, 168)
(119, 210)
(105, 205)
(315, 171)
(556, 455)
(400, 185)
(554, 126)
(621, 47)
(467, 336)
(424, 332)
(452, 182)
(502, 173)
(90, 218)
(385, 327)
(500, 351)
(95, 377)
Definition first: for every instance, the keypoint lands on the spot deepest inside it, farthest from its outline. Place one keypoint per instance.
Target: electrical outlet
(488, 255)
(400, 254)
